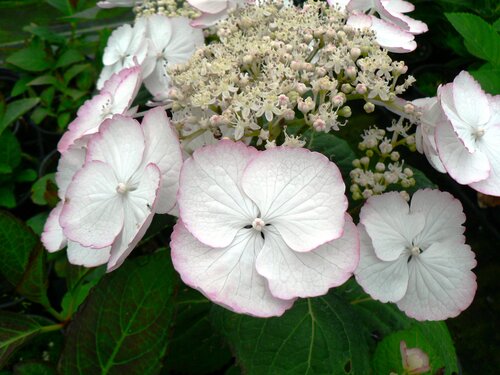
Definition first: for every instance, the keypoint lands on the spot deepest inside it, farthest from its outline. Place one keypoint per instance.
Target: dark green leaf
(26, 175)
(22, 258)
(63, 119)
(44, 191)
(124, 325)
(431, 337)
(74, 71)
(39, 114)
(45, 79)
(15, 330)
(195, 348)
(45, 33)
(488, 77)
(317, 336)
(34, 368)
(480, 38)
(37, 222)
(496, 25)
(69, 57)
(20, 86)
(7, 198)
(32, 58)
(64, 6)
(10, 152)
(15, 110)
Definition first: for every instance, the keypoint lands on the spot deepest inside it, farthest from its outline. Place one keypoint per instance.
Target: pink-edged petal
(211, 202)
(92, 214)
(106, 73)
(226, 275)
(119, 143)
(53, 237)
(208, 19)
(86, 256)
(139, 208)
(441, 284)
(463, 166)
(163, 149)
(123, 87)
(470, 100)
(392, 37)
(69, 163)
(400, 20)
(292, 274)
(300, 192)
(390, 224)
(489, 145)
(360, 5)
(384, 281)
(399, 6)
(443, 214)
(209, 6)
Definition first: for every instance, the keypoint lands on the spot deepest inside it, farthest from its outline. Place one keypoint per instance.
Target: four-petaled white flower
(172, 41)
(469, 142)
(127, 46)
(416, 255)
(115, 97)
(111, 188)
(259, 229)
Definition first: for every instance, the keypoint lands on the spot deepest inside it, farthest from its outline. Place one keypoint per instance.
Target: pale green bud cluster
(168, 8)
(276, 66)
(382, 167)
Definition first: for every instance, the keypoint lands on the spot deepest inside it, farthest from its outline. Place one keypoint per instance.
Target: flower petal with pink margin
(300, 192)
(226, 275)
(85, 256)
(53, 237)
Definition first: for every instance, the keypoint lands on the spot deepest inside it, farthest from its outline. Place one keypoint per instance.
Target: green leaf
(10, 152)
(45, 33)
(64, 6)
(37, 222)
(44, 191)
(195, 347)
(334, 148)
(34, 368)
(124, 325)
(20, 86)
(74, 71)
(69, 57)
(22, 257)
(317, 336)
(488, 77)
(496, 25)
(431, 337)
(480, 38)
(26, 175)
(15, 110)
(45, 79)
(7, 198)
(32, 58)
(15, 330)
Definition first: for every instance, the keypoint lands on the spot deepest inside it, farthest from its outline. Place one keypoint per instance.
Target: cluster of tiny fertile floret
(168, 8)
(382, 166)
(277, 66)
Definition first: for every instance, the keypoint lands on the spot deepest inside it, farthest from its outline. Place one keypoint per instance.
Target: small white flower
(259, 229)
(415, 255)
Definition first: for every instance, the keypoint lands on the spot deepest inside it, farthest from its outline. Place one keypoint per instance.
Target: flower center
(258, 224)
(122, 188)
(415, 250)
(479, 132)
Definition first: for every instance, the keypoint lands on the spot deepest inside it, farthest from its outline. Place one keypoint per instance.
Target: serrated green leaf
(69, 57)
(431, 337)
(488, 77)
(10, 152)
(195, 347)
(15, 330)
(32, 58)
(123, 327)
(15, 110)
(480, 38)
(317, 336)
(22, 258)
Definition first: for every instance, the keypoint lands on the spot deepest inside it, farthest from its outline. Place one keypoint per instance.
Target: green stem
(51, 328)
(356, 301)
(54, 313)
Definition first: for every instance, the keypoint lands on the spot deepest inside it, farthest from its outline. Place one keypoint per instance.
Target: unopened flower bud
(394, 156)
(345, 111)
(408, 172)
(361, 89)
(365, 161)
(346, 88)
(350, 72)
(319, 125)
(369, 107)
(369, 153)
(355, 52)
(409, 108)
(338, 100)
(380, 167)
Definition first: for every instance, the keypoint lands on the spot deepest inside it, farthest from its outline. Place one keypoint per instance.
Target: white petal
(384, 281)
(443, 214)
(392, 37)
(139, 208)
(159, 31)
(399, 6)
(441, 284)
(292, 274)
(53, 237)
(86, 256)
(92, 214)
(208, 19)
(123, 87)
(470, 100)
(463, 166)
(360, 5)
(226, 275)
(118, 44)
(300, 192)
(119, 143)
(489, 145)
(209, 6)
(390, 224)
(69, 163)
(158, 82)
(184, 42)
(162, 149)
(211, 202)
(106, 73)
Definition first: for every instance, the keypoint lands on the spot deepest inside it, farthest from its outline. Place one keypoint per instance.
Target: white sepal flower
(172, 41)
(416, 256)
(259, 229)
(469, 143)
(127, 46)
(115, 97)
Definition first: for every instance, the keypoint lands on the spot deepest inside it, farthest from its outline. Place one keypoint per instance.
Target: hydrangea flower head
(259, 229)
(469, 142)
(125, 174)
(415, 255)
